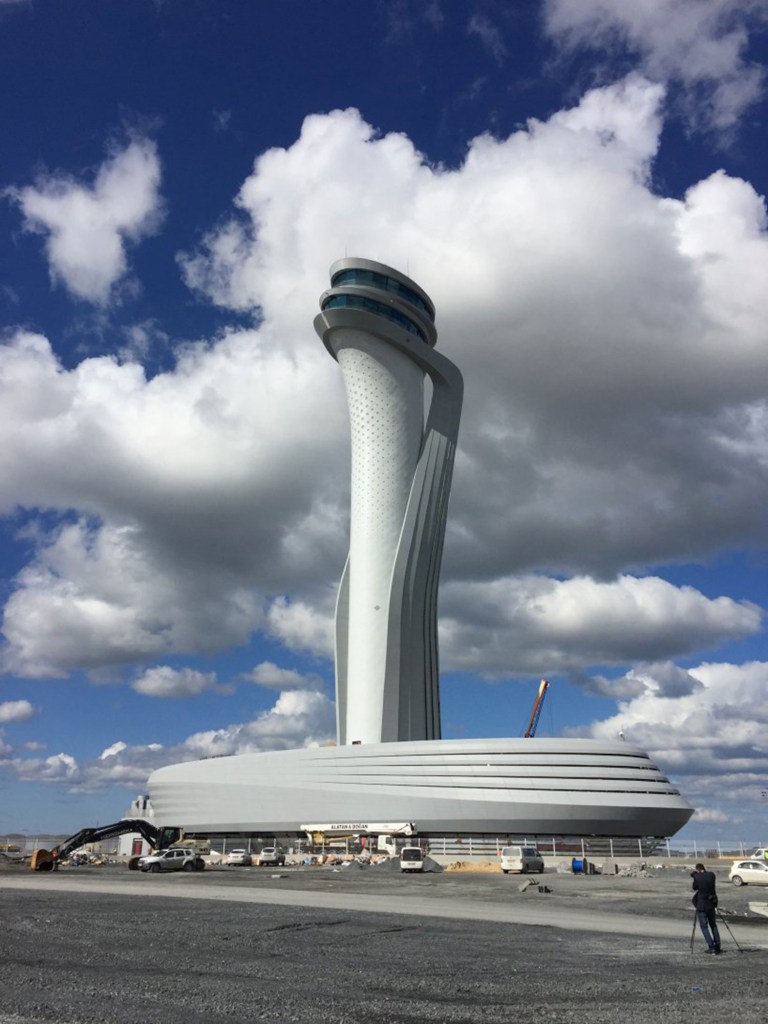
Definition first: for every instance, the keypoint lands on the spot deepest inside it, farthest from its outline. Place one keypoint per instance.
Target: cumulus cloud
(164, 681)
(304, 626)
(193, 493)
(16, 711)
(58, 769)
(271, 675)
(664, 679)
(700, 44)
(714, 738)
(616, 416)
(115, 748)
(298, 719)
(601, 377)
(95, 598)
(142, 341)
(532, 624)
(707, 815)
(87, 226)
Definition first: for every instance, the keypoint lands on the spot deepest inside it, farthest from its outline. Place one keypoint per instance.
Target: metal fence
(491, 846)
(465, 846)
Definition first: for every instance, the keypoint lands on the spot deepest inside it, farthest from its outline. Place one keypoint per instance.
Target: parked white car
(172, 860)
(749, 872)
(270, 855)
(521, 859)
(238, 857)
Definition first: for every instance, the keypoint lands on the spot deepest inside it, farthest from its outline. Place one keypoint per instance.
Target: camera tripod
(718, 916)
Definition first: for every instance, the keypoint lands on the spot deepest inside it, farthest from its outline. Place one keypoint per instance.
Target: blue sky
(578, 184)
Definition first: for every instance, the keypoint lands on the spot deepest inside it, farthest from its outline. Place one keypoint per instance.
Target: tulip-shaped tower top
(384, 292)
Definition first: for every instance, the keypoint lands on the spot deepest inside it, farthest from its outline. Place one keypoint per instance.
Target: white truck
(383, 833)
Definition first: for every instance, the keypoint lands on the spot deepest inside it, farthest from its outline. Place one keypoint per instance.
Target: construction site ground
(367, 944)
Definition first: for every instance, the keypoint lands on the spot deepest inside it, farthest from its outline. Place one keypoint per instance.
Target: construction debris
(531, 883)
(465, 865)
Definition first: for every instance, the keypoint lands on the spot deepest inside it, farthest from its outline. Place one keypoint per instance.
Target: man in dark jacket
(705, 902)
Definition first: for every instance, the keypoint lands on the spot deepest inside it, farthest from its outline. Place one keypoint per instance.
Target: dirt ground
(80, 958)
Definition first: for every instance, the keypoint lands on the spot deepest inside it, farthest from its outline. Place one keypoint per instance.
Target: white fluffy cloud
(714, 737)
(535, 625)
(298, 718)
(304, 626)
(702, 44)
(613, 346)
(664, 679)
(164, 681)
(197, 493)
(86, 227)
(16, 711)
(271, 675)
(57, 769)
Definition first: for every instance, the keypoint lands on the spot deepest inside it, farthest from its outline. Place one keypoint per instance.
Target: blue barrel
(578, 865)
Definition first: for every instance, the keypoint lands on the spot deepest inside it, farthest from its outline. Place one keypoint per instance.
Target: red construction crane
(536, 713)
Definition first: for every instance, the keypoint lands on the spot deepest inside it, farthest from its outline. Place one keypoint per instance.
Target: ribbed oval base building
(445, 787)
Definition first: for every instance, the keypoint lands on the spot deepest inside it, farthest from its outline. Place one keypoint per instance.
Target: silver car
(172, 860)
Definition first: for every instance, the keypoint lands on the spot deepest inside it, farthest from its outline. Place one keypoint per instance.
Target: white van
(521, 859)
(411, 859)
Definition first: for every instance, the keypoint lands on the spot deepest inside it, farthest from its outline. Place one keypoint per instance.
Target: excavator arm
(158, 839)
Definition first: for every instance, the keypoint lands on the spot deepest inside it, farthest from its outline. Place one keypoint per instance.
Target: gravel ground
(80, 958)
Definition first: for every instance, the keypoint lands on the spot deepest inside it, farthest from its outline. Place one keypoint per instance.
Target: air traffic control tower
(379, 326)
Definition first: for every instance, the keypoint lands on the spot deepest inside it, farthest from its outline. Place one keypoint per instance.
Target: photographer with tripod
(705, 901)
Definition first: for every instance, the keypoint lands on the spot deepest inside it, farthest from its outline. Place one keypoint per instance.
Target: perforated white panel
(385, 396)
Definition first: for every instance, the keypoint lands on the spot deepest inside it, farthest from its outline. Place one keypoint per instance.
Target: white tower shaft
(379, 326)
(385, 395)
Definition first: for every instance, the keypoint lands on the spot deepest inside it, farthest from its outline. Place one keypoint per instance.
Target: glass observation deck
(371, 306)
(372, 279)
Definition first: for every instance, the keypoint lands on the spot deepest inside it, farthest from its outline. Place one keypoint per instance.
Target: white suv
(172, 860)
